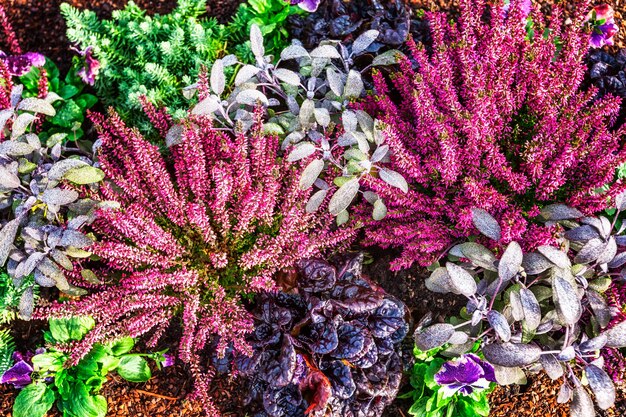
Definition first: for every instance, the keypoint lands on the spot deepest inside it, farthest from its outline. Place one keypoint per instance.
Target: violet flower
(168, 360)
(308, 5)
(19, 374)
(603, 28)
(89, 72)
(465, 374)
(20, 64)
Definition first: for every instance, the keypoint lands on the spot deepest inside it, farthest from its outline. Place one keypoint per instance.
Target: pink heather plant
(495, 121)
(194, 233)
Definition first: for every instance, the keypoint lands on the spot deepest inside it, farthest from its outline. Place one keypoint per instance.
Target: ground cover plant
(206, 195)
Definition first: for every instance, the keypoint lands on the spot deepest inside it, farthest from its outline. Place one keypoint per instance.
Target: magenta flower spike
(465, 375)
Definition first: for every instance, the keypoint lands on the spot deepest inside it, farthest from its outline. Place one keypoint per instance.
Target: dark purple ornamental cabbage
(329, 347)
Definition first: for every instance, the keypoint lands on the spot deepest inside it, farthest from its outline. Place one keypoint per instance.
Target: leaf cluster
(310, 108)
(75, 389)
(537, 310)
(41, 215)
(329, 347)
(71, 102)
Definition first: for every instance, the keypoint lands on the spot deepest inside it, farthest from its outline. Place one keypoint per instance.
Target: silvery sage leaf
(59, 168)
(310, 173)
(620, 201)
(582, 233)
(517, 310)
(500, 325)
(509, 375)
(601, 385)
(13, 148)
(307, 111)
(75, 239)
(616, 335)
(556, 256)
(364, 41)
(566, 354)
(245, 73)
(294, 52)
(461, 280)
(556, 212)
(394, 179)
(477, 254)
(287, 76)
(439, 281)
(511, 262)
(301, 151)
(380, 210)
(511, 354)
(581, 405)
(486, 224)
(322, 116)
(26, 305)
(8, 180)
(20, 124)
(552, 366)
(535, 263)
(206, 107)
(83, 175)
(58, 196)
(354, 85)
(316, 201)
(380, 153)
(256, 42)
(618, 261)
(530, 306)
(590, 251)
(218, 79)
(37, 105)
(599, 307)
(251, 98)
(343, 196)
(387, 58)
(334, 81)
(565, 394)
(7, 236)
(594, 344)
(433, 336)
(609, 252)
(568, 305)
(325, 51)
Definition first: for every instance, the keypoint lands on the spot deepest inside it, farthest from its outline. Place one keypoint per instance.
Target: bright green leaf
(33, 401)
(134, 369)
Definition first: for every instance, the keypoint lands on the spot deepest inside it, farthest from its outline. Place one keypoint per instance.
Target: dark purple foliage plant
(494, 120)
(195, 231)
(328, 347)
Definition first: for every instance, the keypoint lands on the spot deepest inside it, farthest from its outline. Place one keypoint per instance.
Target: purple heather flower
(20, 64)
(308, 5)
(18, 375)
(89, 72)
(603, 27)
(464, 375)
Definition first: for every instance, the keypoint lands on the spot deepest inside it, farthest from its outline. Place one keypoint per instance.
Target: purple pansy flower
(20, 64)
(603, 27)
(465, 374)
(168, 360)
(19, 374)
(89, 72)
(308, 5)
